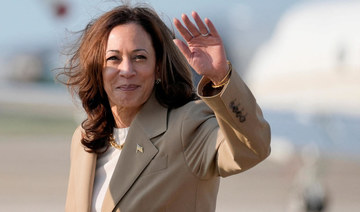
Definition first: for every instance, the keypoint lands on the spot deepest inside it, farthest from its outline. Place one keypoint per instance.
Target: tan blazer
(182, 153)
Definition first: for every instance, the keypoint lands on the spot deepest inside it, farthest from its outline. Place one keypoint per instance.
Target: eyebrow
(116, 51)
(135, 50)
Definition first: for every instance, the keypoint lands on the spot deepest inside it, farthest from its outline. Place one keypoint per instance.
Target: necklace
(114, 144)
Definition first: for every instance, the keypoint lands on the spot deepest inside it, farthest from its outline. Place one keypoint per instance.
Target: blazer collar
(138, 151)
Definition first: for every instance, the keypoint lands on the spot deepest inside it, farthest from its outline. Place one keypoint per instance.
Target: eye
(112, 58)
(139, 57)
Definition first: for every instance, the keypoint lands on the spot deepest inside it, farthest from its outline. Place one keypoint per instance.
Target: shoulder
(78, 134)
(195, 116)
(196, 109)
(76, 144)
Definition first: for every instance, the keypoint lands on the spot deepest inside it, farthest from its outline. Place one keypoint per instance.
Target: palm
(205, 54)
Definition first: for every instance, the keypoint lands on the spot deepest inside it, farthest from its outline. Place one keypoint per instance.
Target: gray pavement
(34, 169)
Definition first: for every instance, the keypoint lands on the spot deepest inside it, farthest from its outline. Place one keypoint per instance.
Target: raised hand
(204, 48)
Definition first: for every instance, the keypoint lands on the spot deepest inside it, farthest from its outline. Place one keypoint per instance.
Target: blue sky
(30, 26)
(32, 23)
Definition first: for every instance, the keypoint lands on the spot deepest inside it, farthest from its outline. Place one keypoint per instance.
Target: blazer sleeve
(241, 137)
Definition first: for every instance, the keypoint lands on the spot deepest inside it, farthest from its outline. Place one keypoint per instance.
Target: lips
(128, 87)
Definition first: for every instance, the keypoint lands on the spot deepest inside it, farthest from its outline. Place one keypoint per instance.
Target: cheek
(149, 84)
(107, 75)
(150, 79)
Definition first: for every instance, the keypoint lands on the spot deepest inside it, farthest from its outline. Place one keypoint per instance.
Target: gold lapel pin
(139, 148)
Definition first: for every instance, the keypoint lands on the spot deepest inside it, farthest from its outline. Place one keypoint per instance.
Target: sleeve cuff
(205, 90)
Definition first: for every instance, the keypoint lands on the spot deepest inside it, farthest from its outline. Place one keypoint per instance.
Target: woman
(148, 142)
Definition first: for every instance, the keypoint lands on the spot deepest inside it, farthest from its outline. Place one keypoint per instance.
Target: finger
(182, 30)
(212, 28)
(183, 48)
(191, 27)
(202, 28)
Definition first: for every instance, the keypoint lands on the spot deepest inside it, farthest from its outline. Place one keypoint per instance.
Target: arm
(225, 133)
(244, 140)
(244, 136)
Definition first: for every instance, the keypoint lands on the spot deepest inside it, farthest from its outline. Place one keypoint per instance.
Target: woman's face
(129, 72)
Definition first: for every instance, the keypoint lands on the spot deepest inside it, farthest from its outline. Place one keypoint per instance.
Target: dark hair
(84, 70)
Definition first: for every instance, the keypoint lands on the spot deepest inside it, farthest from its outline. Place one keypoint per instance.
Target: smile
(130, 87)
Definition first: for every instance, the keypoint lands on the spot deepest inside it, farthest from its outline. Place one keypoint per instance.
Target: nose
(126, 68)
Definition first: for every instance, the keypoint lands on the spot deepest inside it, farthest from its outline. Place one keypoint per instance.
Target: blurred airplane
(312, 62)
(311, 68)
(308, 75)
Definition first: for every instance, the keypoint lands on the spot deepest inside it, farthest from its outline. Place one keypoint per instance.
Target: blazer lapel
(138, 151)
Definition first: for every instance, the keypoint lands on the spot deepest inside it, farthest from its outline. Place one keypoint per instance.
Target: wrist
(225, 80)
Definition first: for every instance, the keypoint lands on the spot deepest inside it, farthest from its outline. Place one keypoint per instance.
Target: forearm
(246, 134)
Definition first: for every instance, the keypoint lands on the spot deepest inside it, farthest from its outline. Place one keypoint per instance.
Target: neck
(123, 116)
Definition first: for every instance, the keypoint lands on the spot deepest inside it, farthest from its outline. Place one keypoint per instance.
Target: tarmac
(34, 165)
